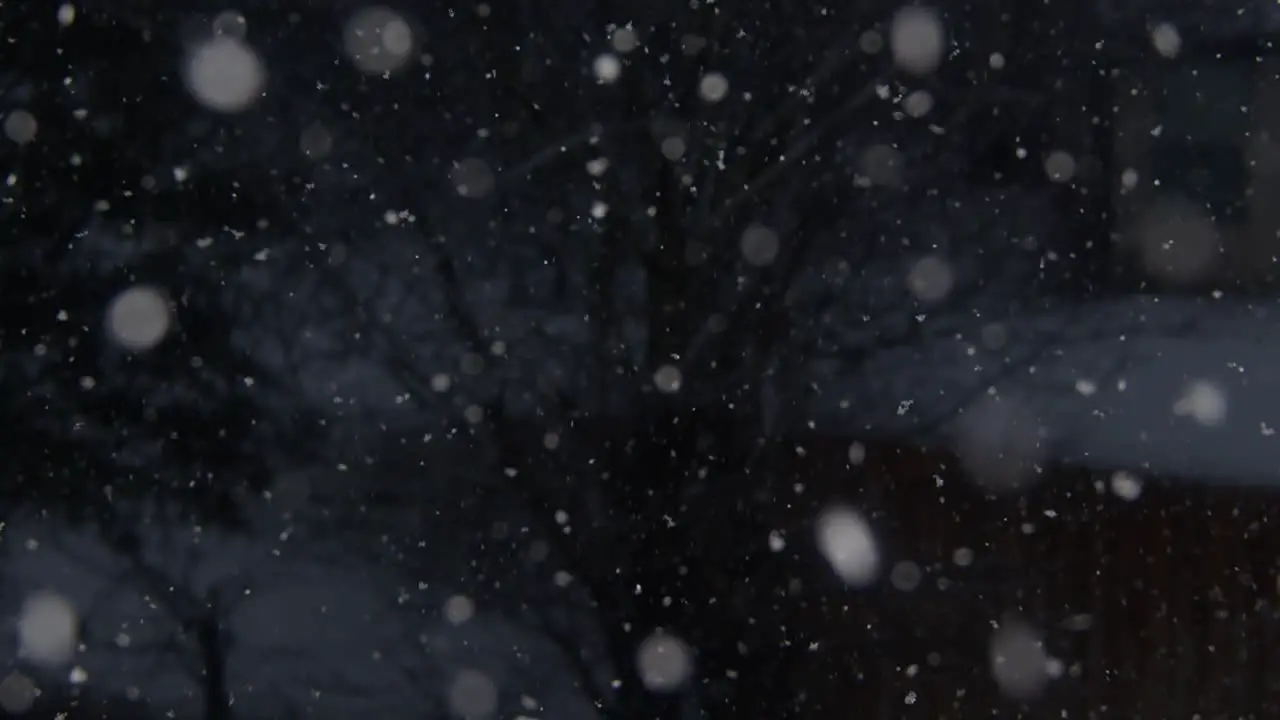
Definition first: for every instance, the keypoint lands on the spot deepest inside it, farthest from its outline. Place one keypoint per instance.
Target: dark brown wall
(1179, 589)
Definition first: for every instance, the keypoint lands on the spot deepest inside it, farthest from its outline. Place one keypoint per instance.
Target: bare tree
(619, 256)
(625, 280)
(127, 384)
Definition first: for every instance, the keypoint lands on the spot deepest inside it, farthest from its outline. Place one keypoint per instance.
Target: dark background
(497, 360)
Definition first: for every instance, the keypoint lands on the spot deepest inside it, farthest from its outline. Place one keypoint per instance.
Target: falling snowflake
(472, 694)
(625, 40)
(905, 576)
(1019, 662)
(760, 245)
(48, 629)
(138, 318)
(1166, 39)
(1126, 486)
(230, 23)
(378, 40)
(1060, 166)
(664, 661)
(918, 103)
(315, 141)
(607, 68)
(17, 693)
(472, 178)
(930, 278)
(20, 126)
(1000, 443)
(459, 609)
(847, 542)
(713, 87)
(917, 40)
(225, 74)
(1204, 402)
(857, 453)
(668, 379)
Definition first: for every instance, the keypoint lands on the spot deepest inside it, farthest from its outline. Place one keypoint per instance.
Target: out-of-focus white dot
(918, 103)
(857, 453)
(230, 23)
(1129, 179)
(1079, 622)
(20, 126)
(1126, 485)
(996, 61)
(691, 44)
(1166, 39)
(472, 178)
(473, 695)
(17, 693)
(225, 74)
(1204, 402)
(1060, 166)
(845, 539)
(66, 14)
(917, 39)
(315, 141)
(378, 40)
(291, 490)
(1019, 662)
(871, 42)
(713, 87)
(668, 379)
(459, 609)
(881, 165)
(625, 40)
(777, 542)
(471, 363)
(999, 442)
(597, 166)
(607, 68)
(672, 148)
(397, 38)
(994, 336)
(962, 557)
(930, 278)
(760, 245)
(905, 576)
(47, 629)
(664, 661)
(139, 318)
(1176, 241)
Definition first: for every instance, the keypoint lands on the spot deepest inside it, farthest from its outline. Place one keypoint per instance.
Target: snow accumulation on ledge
(1155, 385)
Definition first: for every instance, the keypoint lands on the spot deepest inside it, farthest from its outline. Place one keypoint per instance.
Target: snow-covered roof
(1162, 386)
(308, 630)
(1203, 406)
